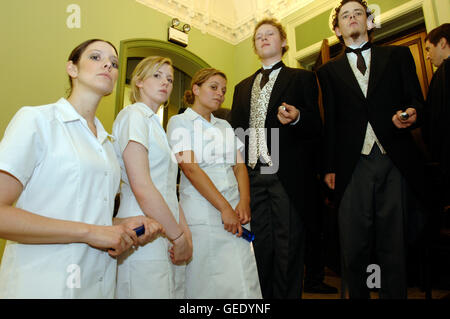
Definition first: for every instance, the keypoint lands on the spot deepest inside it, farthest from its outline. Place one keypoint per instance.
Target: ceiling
(230, 20)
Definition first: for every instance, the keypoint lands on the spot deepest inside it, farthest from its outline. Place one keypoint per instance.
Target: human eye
(170, 80)
(115, 64)
(156, 75)
(95, 57)
(358, 13)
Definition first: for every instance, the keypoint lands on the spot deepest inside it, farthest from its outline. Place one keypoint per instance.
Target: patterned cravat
(266, 72)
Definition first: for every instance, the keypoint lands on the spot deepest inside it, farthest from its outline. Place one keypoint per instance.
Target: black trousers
(372, 219)
(279, 238)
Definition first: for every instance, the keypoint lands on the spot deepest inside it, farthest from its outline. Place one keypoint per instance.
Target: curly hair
(337, 10)
(276, 24)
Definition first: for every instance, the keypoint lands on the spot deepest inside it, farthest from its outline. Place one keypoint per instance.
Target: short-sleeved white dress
(223, 265)
(147, 272)
(67, 173)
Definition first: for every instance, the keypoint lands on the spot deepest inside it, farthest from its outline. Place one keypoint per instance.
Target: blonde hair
(198, 79)
(276, 24)
(143, 70)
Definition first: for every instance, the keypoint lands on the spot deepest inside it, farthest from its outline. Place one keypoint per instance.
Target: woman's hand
(115, 239)
(153, 229)
(243, 211)
(231, 222)
(181, 250)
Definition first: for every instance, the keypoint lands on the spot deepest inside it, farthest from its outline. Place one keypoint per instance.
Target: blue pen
(140, 230)
(247, 235)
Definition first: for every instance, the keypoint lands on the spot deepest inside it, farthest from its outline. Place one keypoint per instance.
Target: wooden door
(424, 68)
(324, 57)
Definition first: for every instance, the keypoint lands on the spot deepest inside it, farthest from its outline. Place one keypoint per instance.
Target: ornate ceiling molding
(230, 20)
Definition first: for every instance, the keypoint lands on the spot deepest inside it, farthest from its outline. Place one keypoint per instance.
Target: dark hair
(435, 35)
(76, 53)
(276, 24)
(198, 79)
(338, 10)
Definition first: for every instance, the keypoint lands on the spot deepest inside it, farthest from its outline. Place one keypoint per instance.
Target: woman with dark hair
(58, 180)
(214, 194)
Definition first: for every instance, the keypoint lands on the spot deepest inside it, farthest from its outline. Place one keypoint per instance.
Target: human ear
(338, 32)
(71, 69)
(442, 43)
(370, 23)
(139, 83)
(196, 89)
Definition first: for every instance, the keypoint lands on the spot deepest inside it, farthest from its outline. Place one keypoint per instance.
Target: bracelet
(182, 232)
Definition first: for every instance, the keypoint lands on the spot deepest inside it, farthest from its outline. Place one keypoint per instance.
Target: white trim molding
(230, 20)
(399, 18)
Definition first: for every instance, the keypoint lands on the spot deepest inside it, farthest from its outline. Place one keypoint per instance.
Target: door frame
(181, 58)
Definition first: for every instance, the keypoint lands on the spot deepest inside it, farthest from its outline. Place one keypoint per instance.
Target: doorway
(185, 65)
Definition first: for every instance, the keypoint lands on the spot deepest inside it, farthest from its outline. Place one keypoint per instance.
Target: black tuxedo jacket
(393, 86)
(297, 143)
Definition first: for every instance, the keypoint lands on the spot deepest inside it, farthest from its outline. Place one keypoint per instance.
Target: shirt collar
(69, 114)
(192, 115)
(265, 67)
(67, 111)
(357, 46)
(147, 111)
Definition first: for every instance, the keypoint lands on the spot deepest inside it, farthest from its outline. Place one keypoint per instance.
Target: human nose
(164, 81)
(107, 65)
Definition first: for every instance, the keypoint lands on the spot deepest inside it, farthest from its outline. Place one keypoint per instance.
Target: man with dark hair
(372, 99)
(277, 105)
(436, 129)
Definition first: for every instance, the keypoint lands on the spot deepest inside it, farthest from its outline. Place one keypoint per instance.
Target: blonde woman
(214, 193)
(149, 174)
(58, 166)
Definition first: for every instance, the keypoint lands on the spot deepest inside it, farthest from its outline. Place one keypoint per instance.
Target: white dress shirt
(67, 173)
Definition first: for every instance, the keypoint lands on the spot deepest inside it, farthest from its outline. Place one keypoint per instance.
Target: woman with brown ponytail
(214, 194)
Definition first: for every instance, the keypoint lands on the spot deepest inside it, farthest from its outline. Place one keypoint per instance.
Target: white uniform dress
(223, 265)
(147, 272)
(67, 173)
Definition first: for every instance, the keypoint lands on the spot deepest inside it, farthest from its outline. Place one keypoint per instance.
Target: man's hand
(287, 113)
(404, 123)
(329, 180)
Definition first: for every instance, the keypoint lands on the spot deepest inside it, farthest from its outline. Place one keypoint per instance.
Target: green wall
(318, 28)
(37, 42)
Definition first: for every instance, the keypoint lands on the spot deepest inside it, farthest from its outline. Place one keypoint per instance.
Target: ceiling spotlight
(186, 28)
(175, 22)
